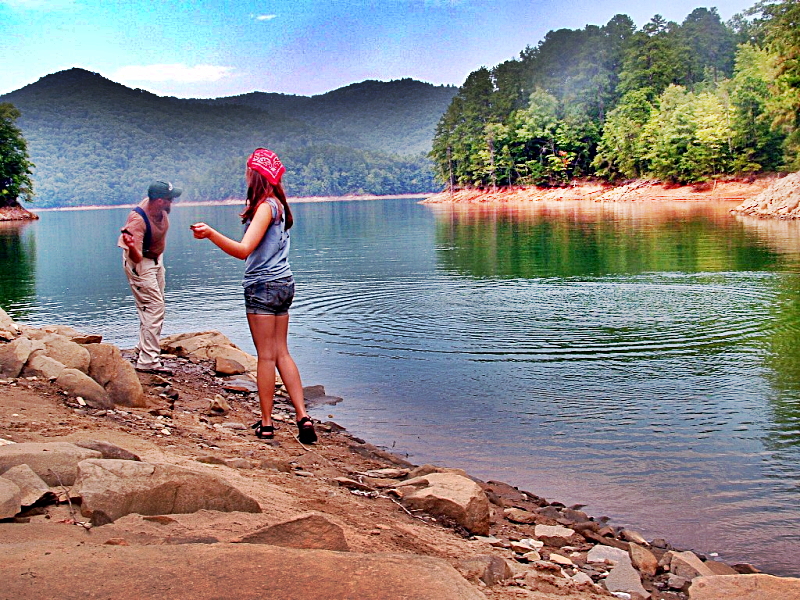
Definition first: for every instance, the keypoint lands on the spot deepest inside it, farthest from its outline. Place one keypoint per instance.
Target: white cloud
(263, 17)
(178, 73)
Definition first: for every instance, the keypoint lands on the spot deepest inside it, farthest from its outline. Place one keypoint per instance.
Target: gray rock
(449, 495)
(10, 499)
(218, 406)
(556, 535)
(110, 489)
(311, 531)
(688, 565)
(488, 568)
(207, 345)
(55, 462)
(14, 355)
(206, 572)
(607, 554)
(77, 383)
(549, 512)
(31, 486)
(629, 535)
(67, 352)
(107, 450)
(745, 587)
(624, 578)
(115, 374)
(674, 582)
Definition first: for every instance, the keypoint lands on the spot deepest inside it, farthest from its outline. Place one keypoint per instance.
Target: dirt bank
(637, 191)
(16, 213)
(780, 200)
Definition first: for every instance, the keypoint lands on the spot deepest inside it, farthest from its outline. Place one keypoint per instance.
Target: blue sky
(211, 48)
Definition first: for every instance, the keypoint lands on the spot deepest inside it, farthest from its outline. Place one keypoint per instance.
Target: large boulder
(67, 352)
(10, 499)
(110, 489)
(745, 587)
(688, 565)
(449, 495)
(55, 462)
(14, 355)
(78, 383)
(39, 365)
(313, 532)
(624, 578)
(213, 571)
(32, 487)
(116, 375)
(207, 345)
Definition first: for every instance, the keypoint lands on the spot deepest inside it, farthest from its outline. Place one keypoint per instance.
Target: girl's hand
(201, 231)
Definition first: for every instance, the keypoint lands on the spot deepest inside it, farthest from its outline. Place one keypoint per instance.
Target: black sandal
(305, 427)
(263, 432)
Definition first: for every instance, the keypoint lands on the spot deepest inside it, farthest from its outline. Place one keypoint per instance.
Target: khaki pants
(147, 284)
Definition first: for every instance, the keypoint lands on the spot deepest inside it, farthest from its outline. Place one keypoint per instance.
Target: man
(143, 240)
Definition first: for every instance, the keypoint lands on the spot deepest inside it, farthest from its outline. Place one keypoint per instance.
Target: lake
(640, 359)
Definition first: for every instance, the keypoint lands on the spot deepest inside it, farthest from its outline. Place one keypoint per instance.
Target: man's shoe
(158, 369)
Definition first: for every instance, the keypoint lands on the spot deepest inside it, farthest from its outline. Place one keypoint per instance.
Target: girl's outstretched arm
(252, 237)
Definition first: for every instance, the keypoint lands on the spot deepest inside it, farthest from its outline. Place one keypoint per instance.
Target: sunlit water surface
(640, 359)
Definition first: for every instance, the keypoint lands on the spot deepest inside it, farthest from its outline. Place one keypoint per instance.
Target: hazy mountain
(94, 141)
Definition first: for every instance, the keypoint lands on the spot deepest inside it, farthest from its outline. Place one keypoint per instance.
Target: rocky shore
(598, 191)
(780, 200)
(135, 485)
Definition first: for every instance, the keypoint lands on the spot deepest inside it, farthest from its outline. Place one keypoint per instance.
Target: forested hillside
(94, 141)
(679, 102)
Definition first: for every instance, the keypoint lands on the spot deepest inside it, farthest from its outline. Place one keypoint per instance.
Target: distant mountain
(94, 141)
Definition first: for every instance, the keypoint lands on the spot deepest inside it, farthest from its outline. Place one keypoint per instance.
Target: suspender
(148, 236)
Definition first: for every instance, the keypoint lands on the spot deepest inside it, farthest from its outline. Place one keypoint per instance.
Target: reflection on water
(641, 359)
(17, 264)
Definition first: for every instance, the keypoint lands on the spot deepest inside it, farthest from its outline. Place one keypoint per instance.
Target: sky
(213, 48)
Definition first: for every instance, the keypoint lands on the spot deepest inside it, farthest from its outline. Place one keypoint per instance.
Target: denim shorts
(269, 297)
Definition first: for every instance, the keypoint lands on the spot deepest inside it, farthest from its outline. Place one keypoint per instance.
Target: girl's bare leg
(287, 367)
(262, 329)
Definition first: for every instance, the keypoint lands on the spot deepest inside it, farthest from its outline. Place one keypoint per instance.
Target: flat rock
(78, 383)
(116, 375)
(517, 515)
(624, 578)
(688, 565)
(607, 554)
(110, 489)
(210, 572)
(31, 486)
(449, 495)
(488, 568)
(629, 535)
(40, 365)
(745, 587)
(107, 450)
(10, 498)
(555, 535)
(55, 462)
(311, 531)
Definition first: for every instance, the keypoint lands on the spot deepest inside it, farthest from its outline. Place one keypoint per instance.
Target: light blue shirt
(270, 259)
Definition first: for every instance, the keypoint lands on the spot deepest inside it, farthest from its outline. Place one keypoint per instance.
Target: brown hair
(258, 190)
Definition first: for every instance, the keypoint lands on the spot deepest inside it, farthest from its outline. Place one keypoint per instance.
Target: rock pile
(77, 363)
(780, 200)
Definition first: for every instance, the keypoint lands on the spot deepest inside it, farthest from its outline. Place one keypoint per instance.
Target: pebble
(560, 560)
(303, 474)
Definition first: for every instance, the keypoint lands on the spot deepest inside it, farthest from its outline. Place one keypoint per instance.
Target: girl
(268, 285)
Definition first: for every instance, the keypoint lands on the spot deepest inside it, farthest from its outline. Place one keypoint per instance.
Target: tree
(15, 168)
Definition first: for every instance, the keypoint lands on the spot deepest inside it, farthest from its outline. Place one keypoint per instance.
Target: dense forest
(96, 142)
(677, 102)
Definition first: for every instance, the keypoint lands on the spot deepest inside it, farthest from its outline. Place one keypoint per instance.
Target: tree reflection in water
(18, 275)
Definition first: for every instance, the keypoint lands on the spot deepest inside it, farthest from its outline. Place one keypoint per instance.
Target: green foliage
(678, 102)
(98, 142)
(15, 167)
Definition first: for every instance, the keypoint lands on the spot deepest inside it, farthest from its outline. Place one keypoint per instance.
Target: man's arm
(134, 252)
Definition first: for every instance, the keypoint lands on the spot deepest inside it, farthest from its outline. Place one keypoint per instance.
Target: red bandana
(268, 164)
